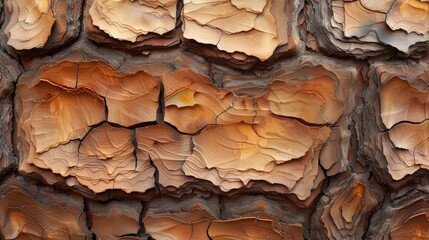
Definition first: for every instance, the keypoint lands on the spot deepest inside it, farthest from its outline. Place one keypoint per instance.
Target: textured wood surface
(35, 212)
(363, 28)
(8, 74)
(214, 119)
(40, 25)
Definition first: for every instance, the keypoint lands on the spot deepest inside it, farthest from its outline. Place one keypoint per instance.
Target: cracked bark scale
(214, 119)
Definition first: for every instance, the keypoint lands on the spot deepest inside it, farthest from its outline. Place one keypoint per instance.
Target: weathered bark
(369, 28)
(115, 219)
(109, 114)
(139, 26)
(35, 212)
(9, 73)
(241, 33)
(405, 216)
(343, 211)
(40, 25)
(214, 119)
(246, 217)
(398, 143)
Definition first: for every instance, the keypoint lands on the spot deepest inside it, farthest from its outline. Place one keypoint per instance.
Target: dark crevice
(354, 144)
(221, 204)
(135, 236)
(179, 7)
(142, 231)
(6, 171)
(224, 111)
(156, 175)
(192, 144)
(12, 150)
(374, 211)
(327, 180)
(303, 122)
(83, 139)
(15, 57)
(160, 113)
(88, 218)
(106, 109)
(404, 121)
(189, 134)
(208, 229)
(132, 127)
(13, 125)
(135, 147)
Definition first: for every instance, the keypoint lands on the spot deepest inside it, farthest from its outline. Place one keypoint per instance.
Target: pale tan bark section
(226, 25)
(126, 20)
(33, 27)
(30, 24)
(140, 26)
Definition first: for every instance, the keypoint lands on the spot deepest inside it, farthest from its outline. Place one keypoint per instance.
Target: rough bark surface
(214, 119)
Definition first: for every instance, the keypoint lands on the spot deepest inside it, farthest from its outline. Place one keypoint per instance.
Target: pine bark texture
(214, 119)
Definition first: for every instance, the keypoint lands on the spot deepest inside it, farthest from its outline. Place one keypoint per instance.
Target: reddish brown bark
(203, 119)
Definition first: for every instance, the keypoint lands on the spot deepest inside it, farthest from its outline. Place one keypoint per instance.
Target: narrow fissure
(88, 218)
(160, 113)
(156, 175)
(135, 146)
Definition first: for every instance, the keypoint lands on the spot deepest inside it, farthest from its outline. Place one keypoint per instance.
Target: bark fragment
(400, 143)
(40, 25)
(344, 210)
(239, 32)
(362, 28)
(74, 117)
(133, 25)
(115, 219)
(30, 211)
(404, 216)
(199, 218)
(227, 141)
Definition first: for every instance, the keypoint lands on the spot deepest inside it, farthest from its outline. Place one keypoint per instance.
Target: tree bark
(204, 119)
